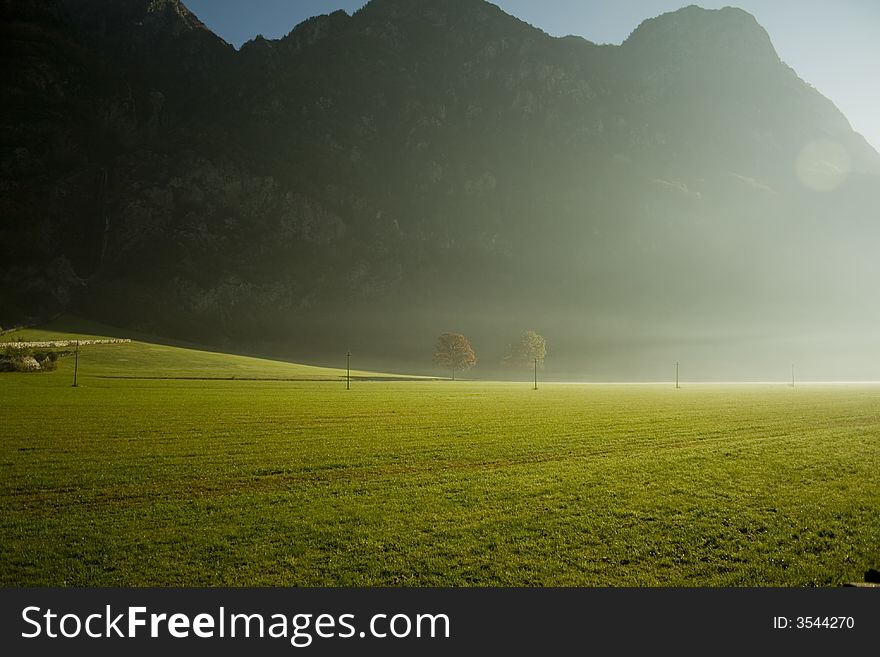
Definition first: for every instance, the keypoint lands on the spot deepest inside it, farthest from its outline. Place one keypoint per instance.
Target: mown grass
(244, 482)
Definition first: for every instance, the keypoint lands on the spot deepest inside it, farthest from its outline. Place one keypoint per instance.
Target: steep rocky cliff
(374, 178)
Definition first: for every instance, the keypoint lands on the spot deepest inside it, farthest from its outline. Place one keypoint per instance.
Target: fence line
(51, 344)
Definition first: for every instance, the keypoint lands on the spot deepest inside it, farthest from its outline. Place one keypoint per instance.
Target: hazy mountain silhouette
(371, 181)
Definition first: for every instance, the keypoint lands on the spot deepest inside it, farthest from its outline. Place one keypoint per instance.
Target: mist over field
(371, 181)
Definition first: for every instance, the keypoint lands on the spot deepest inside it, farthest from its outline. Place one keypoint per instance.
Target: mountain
(370, 181)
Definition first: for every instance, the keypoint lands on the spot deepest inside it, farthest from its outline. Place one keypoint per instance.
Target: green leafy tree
(529, 348)
(454, 351)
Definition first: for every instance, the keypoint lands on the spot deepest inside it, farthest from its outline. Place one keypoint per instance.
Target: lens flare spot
(823, 165)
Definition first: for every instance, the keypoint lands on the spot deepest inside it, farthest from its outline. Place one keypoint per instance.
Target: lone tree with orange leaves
(454, 351)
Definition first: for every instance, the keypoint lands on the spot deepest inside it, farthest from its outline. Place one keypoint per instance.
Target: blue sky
(832, 44)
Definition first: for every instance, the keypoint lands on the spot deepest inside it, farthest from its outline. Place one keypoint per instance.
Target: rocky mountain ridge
(422, 165)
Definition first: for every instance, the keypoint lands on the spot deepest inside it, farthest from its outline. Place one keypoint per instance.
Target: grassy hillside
(143, 358)
(244, 482)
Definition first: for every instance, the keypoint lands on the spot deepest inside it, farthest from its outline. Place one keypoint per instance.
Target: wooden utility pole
(676, 376)
(348, 370)
(75, 363)
(536, 374)
(792, 376)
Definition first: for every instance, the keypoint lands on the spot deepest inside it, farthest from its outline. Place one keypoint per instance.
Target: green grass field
(163, 481)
